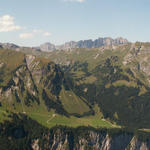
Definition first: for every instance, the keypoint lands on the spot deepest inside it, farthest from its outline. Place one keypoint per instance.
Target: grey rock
(93, 44)
(93, 140)
(84, 44)
(47, 47)
(9, 46)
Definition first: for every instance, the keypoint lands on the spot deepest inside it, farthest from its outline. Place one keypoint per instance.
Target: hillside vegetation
(100, 87)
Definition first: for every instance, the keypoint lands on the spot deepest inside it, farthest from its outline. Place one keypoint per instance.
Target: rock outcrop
(93, 44)
(93, 140)
(47, 47)
(84, 44)
(26, 77)
(8, 46)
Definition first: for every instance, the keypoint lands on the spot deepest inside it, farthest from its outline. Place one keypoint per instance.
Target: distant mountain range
(84, 44)
(9, 46)
(103, 91)
(47, 47)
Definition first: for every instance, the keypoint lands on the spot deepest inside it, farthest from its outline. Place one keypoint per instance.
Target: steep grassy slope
(116, 78)
(85, 88)
(35, 85)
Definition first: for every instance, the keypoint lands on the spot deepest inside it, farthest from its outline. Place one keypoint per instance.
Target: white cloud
(46, 34)
(26, 35)
(7, 24)
(37, 31)
(80, 1)
(34, 33)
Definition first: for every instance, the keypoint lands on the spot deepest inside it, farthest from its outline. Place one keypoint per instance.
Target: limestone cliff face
(91, 140)
(8, 46)
(138, 59)
(29, 135)
(84, 44)
(25, 80)
(93, 44)
(47, 47)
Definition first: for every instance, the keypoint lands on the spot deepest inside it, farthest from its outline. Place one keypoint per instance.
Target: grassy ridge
(90, 77)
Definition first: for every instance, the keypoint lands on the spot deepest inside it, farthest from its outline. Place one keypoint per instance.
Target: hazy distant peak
(106, 41)
(47, 47)
(8, 46)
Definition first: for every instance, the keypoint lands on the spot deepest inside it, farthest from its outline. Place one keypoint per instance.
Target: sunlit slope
(116, 78)
(35, 83)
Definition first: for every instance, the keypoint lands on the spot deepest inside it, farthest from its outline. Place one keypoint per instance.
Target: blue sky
(32, 22)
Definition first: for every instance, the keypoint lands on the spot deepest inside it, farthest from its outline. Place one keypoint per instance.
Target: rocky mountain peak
(107, 41)
(8, 46)
(47, 47)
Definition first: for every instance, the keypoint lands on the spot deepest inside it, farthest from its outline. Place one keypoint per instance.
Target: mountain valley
(102, 93)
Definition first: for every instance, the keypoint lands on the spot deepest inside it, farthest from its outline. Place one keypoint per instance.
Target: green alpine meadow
(104, 89)
(74, 75)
